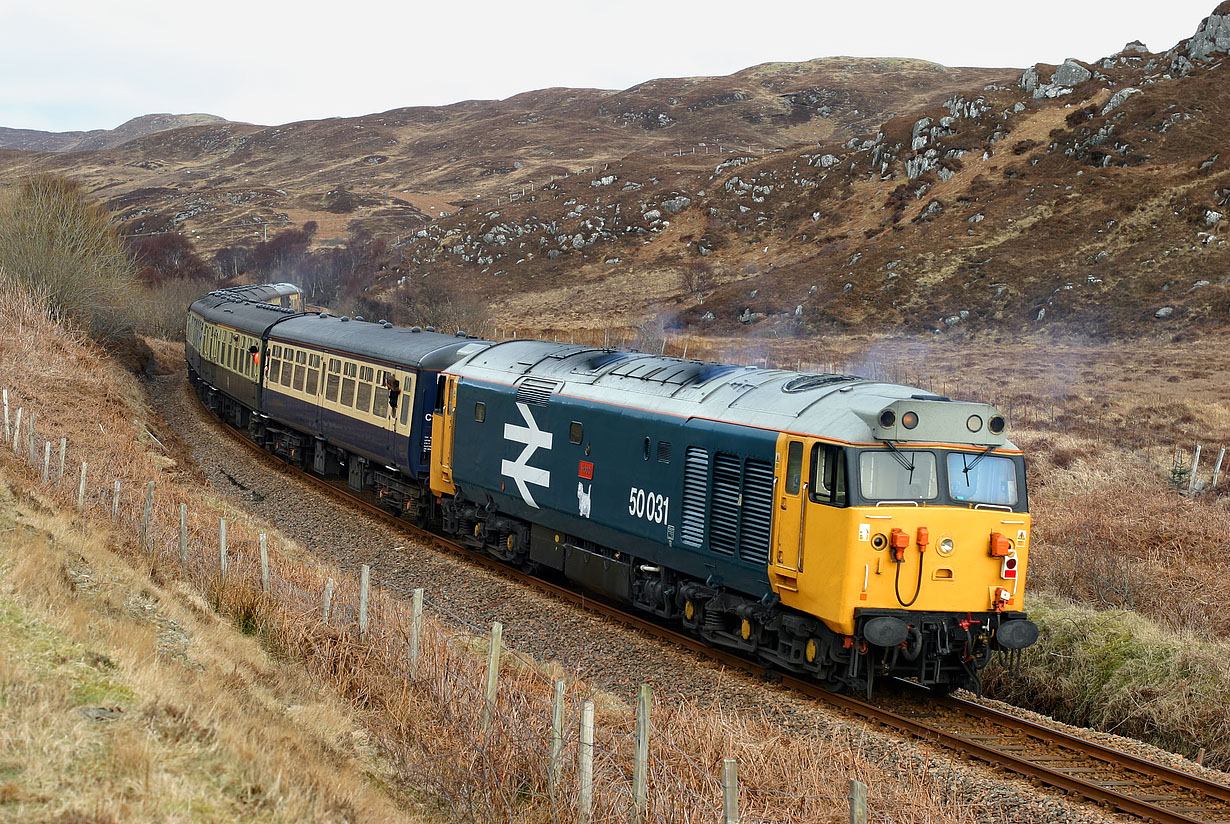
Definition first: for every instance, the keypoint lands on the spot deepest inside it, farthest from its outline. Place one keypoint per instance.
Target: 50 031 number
(648, 505)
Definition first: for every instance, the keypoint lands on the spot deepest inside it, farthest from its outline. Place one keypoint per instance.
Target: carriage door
(789, 510)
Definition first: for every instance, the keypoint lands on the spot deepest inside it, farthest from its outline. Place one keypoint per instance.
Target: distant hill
(37, 141)
(785, 199)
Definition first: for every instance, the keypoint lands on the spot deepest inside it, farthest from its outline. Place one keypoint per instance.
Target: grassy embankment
(134, 689)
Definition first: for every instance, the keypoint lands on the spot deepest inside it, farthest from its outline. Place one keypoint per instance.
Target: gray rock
(1212, 218)
(652, 215)
(1213, 35)
(978, 218)
(676, 204)
(854, 258)
(1070, 73)
(1041, 313)
(1164, 312)
(605, 180)
(798, 310)
(553, 254)
(747, 316)
(1029, 80)
(611, 261)
(1116, 99)
(849, 287)
(1135, 46)
(932, 209)
(828, 160)
(1200, 284)
(708, 316)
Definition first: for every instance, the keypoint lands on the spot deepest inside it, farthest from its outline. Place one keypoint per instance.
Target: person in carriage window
(394, 386)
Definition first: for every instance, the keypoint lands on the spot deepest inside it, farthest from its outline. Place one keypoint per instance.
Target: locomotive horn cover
(938, 421)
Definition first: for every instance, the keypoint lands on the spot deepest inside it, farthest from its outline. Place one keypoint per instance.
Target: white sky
(89, 64)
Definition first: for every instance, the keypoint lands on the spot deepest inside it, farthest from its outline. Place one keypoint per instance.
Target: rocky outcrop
(1213, 35)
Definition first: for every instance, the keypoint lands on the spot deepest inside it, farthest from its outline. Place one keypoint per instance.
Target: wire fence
(479, 728)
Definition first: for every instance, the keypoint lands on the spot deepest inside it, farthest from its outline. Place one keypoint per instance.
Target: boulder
(1212, 36)
(1070, 73)
(1164, 312)
(676, 204)
(1117, 99)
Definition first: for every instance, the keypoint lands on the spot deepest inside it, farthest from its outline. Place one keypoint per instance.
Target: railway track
(1115, 779)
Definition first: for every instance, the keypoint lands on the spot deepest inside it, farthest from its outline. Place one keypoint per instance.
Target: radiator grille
(757, 521)
(536, 391)
(695, 483)
(726, 503)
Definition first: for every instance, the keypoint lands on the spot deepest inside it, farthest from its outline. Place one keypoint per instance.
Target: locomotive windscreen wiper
(899, 456)
(977, 460)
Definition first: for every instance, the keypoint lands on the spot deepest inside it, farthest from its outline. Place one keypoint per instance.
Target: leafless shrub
(61, 247)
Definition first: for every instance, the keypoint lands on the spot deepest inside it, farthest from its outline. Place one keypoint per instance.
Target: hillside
(786, 199)
(33, 140)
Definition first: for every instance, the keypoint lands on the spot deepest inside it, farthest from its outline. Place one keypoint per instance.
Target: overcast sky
(89, 64)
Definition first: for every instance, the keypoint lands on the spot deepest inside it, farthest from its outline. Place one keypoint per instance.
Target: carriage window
(350, 369)
(347, 391)
(300, 373)
(335, 365)
(363, 397)
(480, 412)
(273, 368)
(301, 356)
(576, 432)
(288, 368)
(828, 475)
(366, 373)
(405, 409)
(331, 387)
(794, 468)
(312, 386)
(380, 401)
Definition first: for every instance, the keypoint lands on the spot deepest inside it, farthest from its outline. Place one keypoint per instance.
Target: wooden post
(147, 512)
(46, 461)
(81, 486)
(328, 600)
(557, 739)
(17, 432)
(1217, 469)
(115, 500)
(8, 430)
(585, 796)
(640, 756)
(730, 791)
(63, 456)
(365, 577)
(264, 563)
(30, 439)
(222, 548)
(858, 802)
(493, 674)
(183, 535)
(416, 630)
(1191, 477)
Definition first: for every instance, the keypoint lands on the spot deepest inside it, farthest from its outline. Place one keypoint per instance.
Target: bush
(60, 246)
(166, 257)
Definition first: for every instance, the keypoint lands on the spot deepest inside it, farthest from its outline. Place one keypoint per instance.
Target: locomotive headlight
(909, 420)
(997, 424)
(888, 418)
(946, 546)
(973, 423)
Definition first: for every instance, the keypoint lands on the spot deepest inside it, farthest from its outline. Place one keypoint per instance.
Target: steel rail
(1053, 777)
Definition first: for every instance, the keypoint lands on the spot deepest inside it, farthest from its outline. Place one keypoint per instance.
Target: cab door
(443, 425)
(790, 510)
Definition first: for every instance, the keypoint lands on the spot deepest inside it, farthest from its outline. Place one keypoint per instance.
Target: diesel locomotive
(824, 524)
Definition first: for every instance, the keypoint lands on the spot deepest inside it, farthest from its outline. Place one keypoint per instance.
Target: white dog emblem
(583, 499)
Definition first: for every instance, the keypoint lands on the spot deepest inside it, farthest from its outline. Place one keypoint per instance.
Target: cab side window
(828, 470)
(794, 468)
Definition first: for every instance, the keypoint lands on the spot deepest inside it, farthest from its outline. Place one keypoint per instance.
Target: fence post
(640, 758)
(493, 674)
(46, 461)
(222, 548)
(147, 512)
(328, 600)
(557, 739)
(183, 535)
(81, 487)
(264, 564)
(8, 431)
(1191, 477)
(30, 440)
(115, 500)
(17, 432)
(416, 629)
(858, 802)
(730, 791)
(1217, 469)
(365, 576)
(585, 797)
(63, 456)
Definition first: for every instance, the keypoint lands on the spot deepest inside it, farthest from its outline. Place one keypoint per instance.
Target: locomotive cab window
(898, 475)
(480, 411)
(576, 432)
(981, 479)
(828, 475)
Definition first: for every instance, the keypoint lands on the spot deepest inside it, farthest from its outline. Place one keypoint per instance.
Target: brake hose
(897, 582)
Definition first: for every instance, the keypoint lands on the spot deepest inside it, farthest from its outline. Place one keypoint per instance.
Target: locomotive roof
(381, 342)
(259, 292)
(835, 406)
